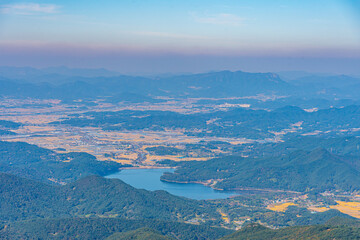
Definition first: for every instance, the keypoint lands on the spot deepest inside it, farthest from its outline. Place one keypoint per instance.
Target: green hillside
(348, 146)
(92, 196)
(101, 228)
(31, 161)
(139, 234)
(316, 232)
(317, 170)
(6, 126)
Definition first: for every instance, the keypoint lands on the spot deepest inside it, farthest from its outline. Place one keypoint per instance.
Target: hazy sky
(145, 36)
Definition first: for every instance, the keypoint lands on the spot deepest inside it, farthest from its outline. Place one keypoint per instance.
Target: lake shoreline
(148, 178)
(196, 182)
(147, 167)
(207, 184)
(236, 190)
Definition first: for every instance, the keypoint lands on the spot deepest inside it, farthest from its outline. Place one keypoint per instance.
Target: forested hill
(4, 124)
(317, 170)
(113, 228)
(92, 196)
(139, 234)
(348, 146)
(319, 232)
(101, 228)
(7, 126)
(42, 164)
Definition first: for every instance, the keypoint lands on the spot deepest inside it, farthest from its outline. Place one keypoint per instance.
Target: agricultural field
(281, 207)
(128, 147)
(214, 154)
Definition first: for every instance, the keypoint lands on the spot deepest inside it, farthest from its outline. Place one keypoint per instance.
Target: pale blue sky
(59, 32)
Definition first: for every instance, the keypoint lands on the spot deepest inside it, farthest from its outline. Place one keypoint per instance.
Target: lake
(149, 179)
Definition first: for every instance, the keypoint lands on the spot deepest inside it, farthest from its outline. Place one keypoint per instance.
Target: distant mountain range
(65, 83)
(219, 84)
(51, 74)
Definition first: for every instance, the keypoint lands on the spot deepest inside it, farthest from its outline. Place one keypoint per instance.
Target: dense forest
(347, 146)
(101, 228)
(7, 126)
(139, 234)
(317, 170)
(111, 229)
(45, 165)
(92, 196)
(319, 232)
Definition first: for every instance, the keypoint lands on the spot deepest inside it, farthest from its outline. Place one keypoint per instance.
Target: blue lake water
(149, 179)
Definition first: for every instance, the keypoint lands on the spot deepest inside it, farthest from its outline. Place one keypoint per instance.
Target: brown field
(33, 119)
(125, 146)
(350, 208)
(224, 216)
(174, 158)
(280, 207)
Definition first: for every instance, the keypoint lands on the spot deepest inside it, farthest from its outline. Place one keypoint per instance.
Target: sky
(171, 36)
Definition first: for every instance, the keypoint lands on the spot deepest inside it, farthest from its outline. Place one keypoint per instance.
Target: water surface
(149, 179)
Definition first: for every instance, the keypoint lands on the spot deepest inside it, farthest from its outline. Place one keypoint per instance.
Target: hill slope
(91, 196)
(319, 232)
(139, 234)
(318, 170)
(101, 228)
(45, 165)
